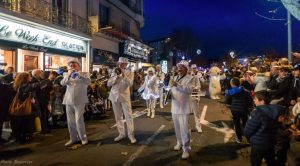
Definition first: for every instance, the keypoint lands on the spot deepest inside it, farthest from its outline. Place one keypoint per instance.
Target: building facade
(44, 34)
(116, 32)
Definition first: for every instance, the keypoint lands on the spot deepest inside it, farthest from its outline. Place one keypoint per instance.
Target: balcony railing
(43, 10)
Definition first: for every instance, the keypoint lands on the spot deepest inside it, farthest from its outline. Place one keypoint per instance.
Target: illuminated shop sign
(28, 35)
(137, 50)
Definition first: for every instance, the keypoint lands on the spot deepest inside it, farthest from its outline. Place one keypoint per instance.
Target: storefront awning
(16, 45)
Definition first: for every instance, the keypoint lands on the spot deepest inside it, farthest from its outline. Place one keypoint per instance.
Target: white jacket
(150, 88)
(120, 91)
(260, 82)
(76, 93)
(181, 95)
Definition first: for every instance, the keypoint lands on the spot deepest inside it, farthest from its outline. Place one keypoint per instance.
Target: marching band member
(161, 77)
(181, 91)
(121, 81)
(150, 93)
(75, 100)
(195, 100)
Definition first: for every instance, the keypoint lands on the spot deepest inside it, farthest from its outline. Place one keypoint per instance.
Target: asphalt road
(156, 138)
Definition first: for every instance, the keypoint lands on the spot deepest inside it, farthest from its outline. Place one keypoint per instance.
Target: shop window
(103, 16)
(53, 62)
(6, 58)
(31, 62)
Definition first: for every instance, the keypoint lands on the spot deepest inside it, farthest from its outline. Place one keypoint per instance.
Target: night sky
(223, 25)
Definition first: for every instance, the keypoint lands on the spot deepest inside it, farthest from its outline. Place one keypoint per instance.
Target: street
(156, 138)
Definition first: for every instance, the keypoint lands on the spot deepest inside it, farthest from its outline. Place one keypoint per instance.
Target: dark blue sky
(222, 25)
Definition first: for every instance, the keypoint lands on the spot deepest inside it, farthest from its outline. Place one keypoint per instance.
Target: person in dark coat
(295, 86)
(42, 99)
(240, 102)
(6, 97)
(23, 126)
(261, 129)
(284, 81)
(8, 78)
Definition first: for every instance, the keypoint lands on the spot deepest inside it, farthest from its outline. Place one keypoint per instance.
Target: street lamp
(198, 51)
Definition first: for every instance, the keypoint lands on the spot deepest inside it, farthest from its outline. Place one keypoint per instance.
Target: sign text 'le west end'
(24, 34)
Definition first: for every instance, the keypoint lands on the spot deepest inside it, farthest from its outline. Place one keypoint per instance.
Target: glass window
(6, 58)
(53, 62)
(103, 16)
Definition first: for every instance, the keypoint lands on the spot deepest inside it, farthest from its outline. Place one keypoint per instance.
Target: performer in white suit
(160, 77)
(196, 100)
(182, 87)
(150, 93)
(120, 83)
(75, 99)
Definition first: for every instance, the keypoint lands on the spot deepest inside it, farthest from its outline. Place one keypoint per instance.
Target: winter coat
(294, 89)
(262, 125)
(260, 82)
(239, 99)
(282, 90)
(7, 79)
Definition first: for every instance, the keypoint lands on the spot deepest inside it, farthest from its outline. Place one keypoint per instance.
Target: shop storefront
(27, 45)
(103, 57)
(136, 52)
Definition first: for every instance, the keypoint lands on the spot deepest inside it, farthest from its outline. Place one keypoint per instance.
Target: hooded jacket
(262, 125)
(239, 99)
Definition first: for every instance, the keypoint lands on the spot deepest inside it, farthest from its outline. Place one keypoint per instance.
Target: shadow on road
(7, 154)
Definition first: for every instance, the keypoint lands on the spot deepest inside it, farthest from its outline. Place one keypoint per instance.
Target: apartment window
(126, 2)
(103, 16)
(60, 10)
(126, 26)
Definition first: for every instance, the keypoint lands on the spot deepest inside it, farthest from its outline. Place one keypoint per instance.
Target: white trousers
(151, 104)
(161, 96)
(119, 109)
(181, 125)
(196, 111)
(75, 121)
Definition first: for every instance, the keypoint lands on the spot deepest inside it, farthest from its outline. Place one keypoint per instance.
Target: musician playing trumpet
(196, 98)
(182, 87)
(160, 77)
(121, 81)
(150, 93)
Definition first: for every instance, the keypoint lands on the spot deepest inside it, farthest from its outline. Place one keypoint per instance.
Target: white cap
(123, 60)
(73, 60)
(184, 63)
(150, 69)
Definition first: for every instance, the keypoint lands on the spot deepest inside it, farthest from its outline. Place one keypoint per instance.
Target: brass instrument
(168, 90)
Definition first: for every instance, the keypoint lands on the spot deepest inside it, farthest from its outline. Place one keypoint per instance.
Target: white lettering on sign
(28, 35)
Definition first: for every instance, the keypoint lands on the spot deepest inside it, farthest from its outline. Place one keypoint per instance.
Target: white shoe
(132, 139)
(185, 155)
(177, 147)
(161, 106)
(153, 114)
(119, 138)
(199, 129)
(84, 142)
(69, 143)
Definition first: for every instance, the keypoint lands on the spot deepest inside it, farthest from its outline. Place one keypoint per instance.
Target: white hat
(193, 66)
(184, 63)
(150, 69)
(73, 60)
(123, 60)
